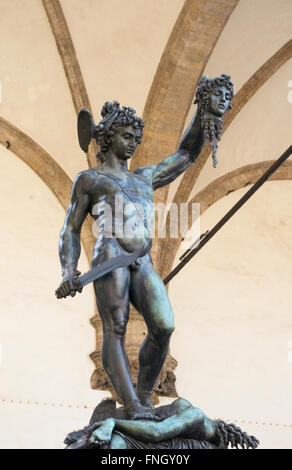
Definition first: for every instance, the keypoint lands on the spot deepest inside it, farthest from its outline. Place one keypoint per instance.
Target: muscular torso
(121, 203)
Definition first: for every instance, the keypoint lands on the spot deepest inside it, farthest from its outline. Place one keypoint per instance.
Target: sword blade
(121, 261)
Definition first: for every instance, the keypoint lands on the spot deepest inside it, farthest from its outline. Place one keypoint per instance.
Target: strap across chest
(129, 192)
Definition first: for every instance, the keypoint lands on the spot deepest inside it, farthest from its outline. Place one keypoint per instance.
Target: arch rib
(70, 62)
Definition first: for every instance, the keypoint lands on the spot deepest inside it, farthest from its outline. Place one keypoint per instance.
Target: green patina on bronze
(97, 190)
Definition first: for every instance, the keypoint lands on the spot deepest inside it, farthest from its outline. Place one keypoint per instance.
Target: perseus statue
(118, 134)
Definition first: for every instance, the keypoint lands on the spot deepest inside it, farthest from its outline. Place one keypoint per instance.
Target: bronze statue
(118, 135)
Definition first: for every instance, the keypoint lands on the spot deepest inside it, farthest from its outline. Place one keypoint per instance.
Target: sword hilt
(74, 286)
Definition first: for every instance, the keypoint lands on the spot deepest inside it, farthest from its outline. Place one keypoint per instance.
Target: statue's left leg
(149, 296)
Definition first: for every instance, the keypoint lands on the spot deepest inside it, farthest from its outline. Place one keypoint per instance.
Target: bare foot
(136, 411)
(101, 432)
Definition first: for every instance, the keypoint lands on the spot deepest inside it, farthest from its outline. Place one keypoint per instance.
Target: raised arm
(69, 244)
(214, 98)
(189, 149)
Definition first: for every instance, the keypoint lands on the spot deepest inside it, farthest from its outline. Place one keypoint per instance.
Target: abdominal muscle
(124, 238)
(132, 244)
(134, 235)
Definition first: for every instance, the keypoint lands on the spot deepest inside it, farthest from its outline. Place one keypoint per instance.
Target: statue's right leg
(112, 298)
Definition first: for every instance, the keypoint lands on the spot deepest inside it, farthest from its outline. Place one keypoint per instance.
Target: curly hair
(229, 434)
(207, 85)
(212, 124)
(113, 118)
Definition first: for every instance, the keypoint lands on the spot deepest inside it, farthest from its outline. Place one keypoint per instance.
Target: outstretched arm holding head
(214, 98)
(188, 150)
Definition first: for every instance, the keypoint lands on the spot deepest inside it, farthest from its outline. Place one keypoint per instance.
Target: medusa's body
(186, 427)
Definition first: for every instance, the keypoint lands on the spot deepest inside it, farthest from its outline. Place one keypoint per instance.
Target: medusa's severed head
(104, 133)
(214, 98)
